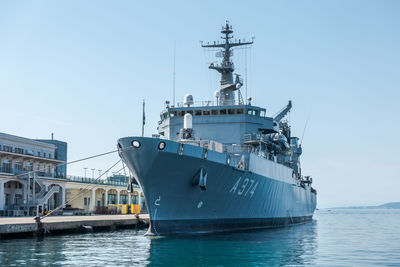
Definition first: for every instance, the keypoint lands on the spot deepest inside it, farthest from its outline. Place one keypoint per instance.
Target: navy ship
(220, 165)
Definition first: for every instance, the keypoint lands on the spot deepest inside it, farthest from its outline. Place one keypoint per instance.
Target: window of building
(197, 112)
(19, 150)
(28, 166)
(7, 148)
(39, 154)
(18, 167)
(18, 199)
(135, 199)
(222, 111)
(112, 199)
(7, 199)
(86, 201)
(6, 166)
(123, 199)
(44, 154)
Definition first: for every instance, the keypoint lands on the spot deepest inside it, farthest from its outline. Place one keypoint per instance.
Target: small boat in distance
(220, 166)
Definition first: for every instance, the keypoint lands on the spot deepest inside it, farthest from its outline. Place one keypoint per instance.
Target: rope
(304, 130)
(71, 162)
(82, 190)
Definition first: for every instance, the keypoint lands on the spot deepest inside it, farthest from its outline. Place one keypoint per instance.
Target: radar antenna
(226, 68)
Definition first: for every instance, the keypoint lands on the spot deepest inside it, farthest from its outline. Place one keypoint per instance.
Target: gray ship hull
(233, 199)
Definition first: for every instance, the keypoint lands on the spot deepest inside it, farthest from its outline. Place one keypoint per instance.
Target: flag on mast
(143, 120)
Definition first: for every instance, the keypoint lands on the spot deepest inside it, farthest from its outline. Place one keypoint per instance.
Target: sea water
(353, 237)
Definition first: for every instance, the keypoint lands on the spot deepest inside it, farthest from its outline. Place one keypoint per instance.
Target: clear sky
(80, 69)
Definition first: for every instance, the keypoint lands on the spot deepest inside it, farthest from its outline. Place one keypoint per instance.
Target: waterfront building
(32, 173)
(91, 195)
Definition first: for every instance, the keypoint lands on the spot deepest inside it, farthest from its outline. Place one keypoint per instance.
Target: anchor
(200, 179)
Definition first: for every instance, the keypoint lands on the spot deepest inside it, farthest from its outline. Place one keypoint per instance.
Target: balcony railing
(25, 152)
(24, 173)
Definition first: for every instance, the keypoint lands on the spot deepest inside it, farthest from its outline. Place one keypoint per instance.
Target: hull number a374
(244, 188)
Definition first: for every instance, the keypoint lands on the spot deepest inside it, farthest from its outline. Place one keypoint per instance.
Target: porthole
(161, 145)
(135, 143)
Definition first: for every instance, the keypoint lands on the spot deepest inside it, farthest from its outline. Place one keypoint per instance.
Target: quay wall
(26, 226)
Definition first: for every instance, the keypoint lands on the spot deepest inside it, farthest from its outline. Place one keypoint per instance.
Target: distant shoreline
(390, 205)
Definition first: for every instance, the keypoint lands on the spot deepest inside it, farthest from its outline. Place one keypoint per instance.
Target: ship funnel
(187, 121)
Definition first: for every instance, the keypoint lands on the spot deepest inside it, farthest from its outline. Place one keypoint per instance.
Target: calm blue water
(334, 238)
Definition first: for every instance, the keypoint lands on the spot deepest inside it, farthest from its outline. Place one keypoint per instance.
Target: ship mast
(226, 68)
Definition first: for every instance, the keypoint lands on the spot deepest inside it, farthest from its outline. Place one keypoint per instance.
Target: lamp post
(93, 173)
(85, 168)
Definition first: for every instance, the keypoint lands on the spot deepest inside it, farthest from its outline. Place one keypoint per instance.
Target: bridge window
(252, 112)
(222, 111)
(231, 111)
(197, 112)
(190, 112)
(214, 112)
(206, 112)
(172, 114)
(182, 113)
(239, 111)
(262, 113)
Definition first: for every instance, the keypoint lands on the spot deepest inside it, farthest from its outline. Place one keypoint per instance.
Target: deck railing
(86, 180)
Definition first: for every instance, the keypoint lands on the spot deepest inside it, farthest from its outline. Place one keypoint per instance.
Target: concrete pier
(11, 227)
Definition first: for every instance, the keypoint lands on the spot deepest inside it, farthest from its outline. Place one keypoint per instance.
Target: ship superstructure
(221, 165)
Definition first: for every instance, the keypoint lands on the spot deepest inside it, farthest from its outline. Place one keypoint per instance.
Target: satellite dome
(188, 100)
